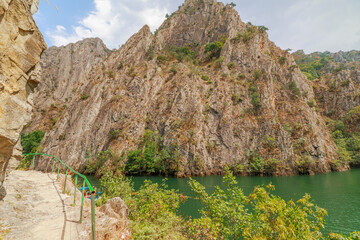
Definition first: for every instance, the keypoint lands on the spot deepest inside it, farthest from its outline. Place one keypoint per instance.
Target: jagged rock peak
(199, 21)
(189, 2)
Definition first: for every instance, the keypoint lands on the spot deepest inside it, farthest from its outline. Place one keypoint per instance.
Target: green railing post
(33, 162)
(52, 168)
(58, 171)
(93, 215)
(82, 201)
(65, 180)
(75, 190)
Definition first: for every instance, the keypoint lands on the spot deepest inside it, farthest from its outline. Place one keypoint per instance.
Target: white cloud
(113, 21)
(312, 25)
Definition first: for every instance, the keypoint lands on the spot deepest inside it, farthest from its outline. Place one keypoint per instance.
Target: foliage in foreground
(226, 214)
(152, 209)
(229, 214)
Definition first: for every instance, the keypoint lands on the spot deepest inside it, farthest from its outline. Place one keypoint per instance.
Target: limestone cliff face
(241, 102)
(337, 87)
(65, 70)
(21, 45)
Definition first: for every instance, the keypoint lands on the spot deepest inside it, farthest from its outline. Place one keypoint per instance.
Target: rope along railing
(85, 181)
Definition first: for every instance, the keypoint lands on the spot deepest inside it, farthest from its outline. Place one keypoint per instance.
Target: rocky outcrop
(65, 69)
(21, 45)
(337, 86)
(240, 102)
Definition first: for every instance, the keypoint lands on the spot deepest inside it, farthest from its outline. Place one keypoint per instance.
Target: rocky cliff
(64, 69)
(336, 83)
(21, 45)
(214, 92)
(336, 79)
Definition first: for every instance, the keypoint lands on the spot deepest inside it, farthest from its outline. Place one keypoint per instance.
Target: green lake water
(337, 192)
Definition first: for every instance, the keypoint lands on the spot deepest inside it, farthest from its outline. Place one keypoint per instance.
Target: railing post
(52, 168)
(75, 190)
(33, 162)
(93, 215)
(58, 171)
(65, 180)
(82, 201)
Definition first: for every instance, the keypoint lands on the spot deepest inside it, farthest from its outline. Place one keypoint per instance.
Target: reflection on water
(337, 192)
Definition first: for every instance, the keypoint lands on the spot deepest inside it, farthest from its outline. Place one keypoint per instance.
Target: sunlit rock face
(21, 45)
(246, 109)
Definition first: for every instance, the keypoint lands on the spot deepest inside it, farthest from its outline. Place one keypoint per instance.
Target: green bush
(255, 163)
(31, 141)
(152, 209)
(150, 53)
(214, 49)
(114, 133)
(231, 65)
(257, 74)
(230, 214)
(294, 88)
(31, 144)
(236, 99)
(95, 164)
(282, 60)
(255, 101)
(84, 96)
(153, 157)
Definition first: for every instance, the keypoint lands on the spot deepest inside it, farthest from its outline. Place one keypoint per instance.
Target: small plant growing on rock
(282, 60)
(84, 96)
(294, 88)
(231, 65)
(236, 99)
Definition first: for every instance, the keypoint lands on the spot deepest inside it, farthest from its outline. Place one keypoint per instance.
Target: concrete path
(35, 208)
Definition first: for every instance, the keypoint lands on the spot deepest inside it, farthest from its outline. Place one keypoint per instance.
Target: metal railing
(85, 181)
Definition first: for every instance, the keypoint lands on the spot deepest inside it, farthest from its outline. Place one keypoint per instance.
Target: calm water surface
(337, 192)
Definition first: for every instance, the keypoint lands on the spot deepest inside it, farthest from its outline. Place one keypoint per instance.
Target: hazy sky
(311, 25)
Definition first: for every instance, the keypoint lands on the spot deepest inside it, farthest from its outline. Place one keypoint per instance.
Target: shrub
(294, 88)
(282, 60)
(111, 74)
(152, 209)
(255, 101)
(132, 72)
(120, 66)
(236, 99)
(214, 49)
(230, 214)
(173, 70)
(95, 164)
(31, 141)
(84, 96)
(219, 62)
(311, 103)
(262, 29)
(114, 133)
(255, 163)
(231, 65)
(241, 76)
(257, 74)
(205, 77)
(150, 53)
(161, 59)
(153, 157)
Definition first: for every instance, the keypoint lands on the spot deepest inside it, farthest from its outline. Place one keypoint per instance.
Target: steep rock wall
(21, 45)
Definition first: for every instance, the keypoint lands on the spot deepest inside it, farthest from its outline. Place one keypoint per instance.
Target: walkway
(35, 208)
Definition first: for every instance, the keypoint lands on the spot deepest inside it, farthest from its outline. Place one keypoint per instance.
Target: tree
(230, 214)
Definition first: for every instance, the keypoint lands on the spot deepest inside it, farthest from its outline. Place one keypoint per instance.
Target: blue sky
(311, 25)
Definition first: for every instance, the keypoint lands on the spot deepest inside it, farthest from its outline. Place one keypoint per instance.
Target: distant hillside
(336, 83)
